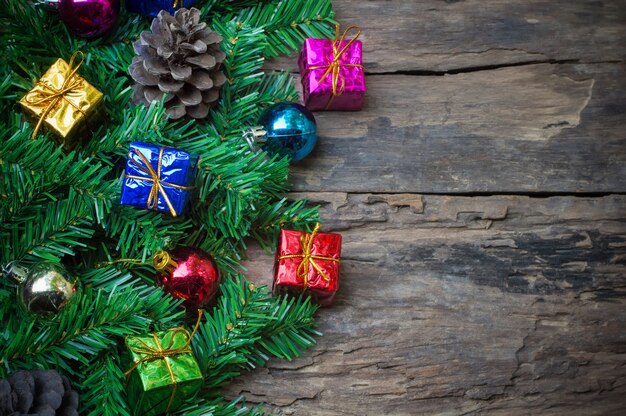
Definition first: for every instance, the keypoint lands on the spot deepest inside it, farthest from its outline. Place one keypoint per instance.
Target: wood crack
(491, 67)
(479, 194)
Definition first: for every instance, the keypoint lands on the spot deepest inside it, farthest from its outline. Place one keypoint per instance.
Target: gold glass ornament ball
(47, 288)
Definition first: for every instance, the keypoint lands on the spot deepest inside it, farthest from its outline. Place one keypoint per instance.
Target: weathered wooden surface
(462, 35)
(515, 107)
(532, 128)
(452, 300)
(464, 304)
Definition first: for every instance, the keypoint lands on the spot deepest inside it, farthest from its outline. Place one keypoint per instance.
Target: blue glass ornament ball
(291, 130)
(153, 7)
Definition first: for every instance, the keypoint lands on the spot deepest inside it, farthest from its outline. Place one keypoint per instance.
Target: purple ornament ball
(89, 18)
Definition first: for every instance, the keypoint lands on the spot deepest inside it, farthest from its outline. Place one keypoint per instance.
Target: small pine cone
(180, 58)
(38, 392)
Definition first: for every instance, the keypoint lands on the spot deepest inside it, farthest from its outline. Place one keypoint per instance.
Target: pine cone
(37, 393)
(179, 57)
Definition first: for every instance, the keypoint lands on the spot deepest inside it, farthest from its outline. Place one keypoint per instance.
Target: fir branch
(223, 7)
(7, 95)
(103, 387)
(47, 231)
(139, 234)
(64, 205)
(134, 123)
(44, 166)
(84, 329)
(7, 294)
(109, 278)
(18, 188)
(248, 326)
(292, 330)
(24, 26)
(275, 87)
(282, 214)
(162, 309)
(288, 23)
(217, 407)
(244, 47)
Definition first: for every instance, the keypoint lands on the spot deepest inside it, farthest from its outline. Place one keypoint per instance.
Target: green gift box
(163, 372)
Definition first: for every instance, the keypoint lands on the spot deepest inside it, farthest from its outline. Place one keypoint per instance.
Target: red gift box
(308, 262)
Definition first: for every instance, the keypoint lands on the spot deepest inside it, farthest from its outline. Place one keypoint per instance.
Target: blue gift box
(158, 178)
(153, 7)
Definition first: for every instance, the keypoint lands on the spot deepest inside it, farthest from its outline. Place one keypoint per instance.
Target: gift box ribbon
(308, 259)
(161, 353)
(52, 96)
(157, 184)
(333, 68)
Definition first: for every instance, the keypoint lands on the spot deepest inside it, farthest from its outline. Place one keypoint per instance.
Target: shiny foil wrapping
(72, 115)
(161, 385)
(286, 276)
(314, 59)
(153, 7)
(194, 277)
(177, 168)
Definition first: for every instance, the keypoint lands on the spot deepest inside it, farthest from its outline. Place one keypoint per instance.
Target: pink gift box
(317, 56)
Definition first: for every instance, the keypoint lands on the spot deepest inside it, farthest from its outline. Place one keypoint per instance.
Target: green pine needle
(64, 206)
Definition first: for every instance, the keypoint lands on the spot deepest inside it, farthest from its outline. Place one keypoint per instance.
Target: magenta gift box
(319, 65)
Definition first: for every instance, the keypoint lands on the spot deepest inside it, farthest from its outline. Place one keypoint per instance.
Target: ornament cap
(255, 137)
(163, 261)
(15, 271)
(51, 4)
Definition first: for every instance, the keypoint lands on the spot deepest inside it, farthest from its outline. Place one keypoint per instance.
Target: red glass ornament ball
(194, 278)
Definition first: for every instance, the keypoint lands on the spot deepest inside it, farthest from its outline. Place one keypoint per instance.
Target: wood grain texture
(481, 194)
(440, 35)
(450, 305)
(533, 128)
(452, 35)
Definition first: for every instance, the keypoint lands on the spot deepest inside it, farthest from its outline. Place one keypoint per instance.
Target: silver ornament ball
(47, 288)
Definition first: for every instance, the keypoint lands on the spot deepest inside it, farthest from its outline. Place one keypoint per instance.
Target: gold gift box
(63, 103)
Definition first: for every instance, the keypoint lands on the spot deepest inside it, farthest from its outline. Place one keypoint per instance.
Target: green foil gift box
(163, 372)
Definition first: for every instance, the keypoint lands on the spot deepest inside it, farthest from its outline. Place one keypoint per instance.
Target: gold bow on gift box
(171, 351)
(62, 100)
(334, 65)
(159, 352)
(158, 184)
(308, 259)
